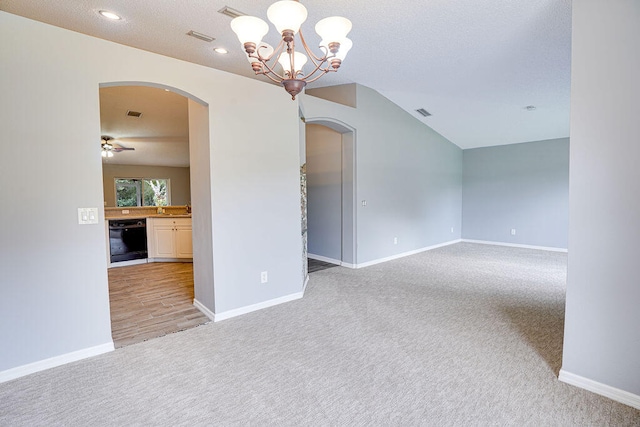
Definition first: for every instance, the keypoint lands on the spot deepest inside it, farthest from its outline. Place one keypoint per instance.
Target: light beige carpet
(459, 336)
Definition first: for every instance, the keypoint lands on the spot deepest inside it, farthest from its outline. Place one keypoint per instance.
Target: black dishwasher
(127, 239)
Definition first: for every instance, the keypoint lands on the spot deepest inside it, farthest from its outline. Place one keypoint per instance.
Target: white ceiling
(160, 136)
(475, 65)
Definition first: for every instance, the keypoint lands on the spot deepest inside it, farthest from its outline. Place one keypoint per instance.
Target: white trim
(126, 263)
(324, 259)
(255, 307)
(346, 264)
(210, 314)
(306, 281)
(616, 394)
(515, 245)
(52, 362)
(404, 254)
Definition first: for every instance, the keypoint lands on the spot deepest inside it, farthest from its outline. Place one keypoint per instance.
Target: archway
(345, 147)
(200, 186)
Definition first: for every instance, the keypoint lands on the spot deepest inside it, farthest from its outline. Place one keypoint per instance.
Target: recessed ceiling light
(221, 50)
(109, 15)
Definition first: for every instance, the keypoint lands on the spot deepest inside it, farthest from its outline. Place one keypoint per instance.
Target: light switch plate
(87, 216)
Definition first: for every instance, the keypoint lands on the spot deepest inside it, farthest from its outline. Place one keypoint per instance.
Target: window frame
(140, 190)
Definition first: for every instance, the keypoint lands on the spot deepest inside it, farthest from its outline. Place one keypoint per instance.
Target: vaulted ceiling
(474, 65)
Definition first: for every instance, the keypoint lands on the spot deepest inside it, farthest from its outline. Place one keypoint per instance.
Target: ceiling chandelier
(287, 16)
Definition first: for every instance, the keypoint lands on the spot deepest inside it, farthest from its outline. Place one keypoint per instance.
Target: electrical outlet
(364, 203)
(264, 278)
(395, 240)
(513, 231)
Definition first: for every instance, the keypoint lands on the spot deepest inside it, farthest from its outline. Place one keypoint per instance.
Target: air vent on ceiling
(201, 36)
(232, 13)
(134, 114)
(423, 112)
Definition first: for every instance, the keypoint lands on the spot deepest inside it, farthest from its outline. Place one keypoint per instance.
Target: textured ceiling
(475, 65)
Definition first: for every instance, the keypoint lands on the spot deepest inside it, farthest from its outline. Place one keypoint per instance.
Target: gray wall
(518, 186)
(324, 191)
(53, 287)
(179, 180)
(409, 175)
(602, 323)
(201, 218)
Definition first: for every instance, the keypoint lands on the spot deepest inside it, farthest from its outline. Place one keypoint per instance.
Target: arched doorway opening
(330, 148)
(196, 124)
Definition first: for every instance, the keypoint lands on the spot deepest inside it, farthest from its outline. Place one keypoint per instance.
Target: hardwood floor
(151, 300)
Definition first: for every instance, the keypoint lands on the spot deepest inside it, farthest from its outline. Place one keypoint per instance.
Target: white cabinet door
(184, 243)
(170, 238)
(164, 238)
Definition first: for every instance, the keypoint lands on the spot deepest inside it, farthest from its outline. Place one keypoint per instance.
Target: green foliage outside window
(142, 192)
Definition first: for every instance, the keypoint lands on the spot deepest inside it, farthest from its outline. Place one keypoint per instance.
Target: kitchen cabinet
(169, 238)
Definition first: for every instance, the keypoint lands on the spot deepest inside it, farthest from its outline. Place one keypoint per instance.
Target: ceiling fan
(108, 147)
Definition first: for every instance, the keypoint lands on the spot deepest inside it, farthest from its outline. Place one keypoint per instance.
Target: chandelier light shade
(249, 29)
(295, 62)
(288, 16)
(333, 28)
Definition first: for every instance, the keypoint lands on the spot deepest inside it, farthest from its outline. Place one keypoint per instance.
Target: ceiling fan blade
(119, 148)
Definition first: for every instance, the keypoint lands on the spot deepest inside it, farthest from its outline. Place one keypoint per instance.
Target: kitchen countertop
(142, 216)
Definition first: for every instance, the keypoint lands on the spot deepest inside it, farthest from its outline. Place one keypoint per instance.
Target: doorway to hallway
(330, 184)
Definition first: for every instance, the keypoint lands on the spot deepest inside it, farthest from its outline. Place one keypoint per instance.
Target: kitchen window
(142, 192)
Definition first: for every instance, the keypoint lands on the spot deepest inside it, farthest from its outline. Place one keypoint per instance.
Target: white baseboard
(126, 263)
(150, 260)
(255, 307)
(306, 281)
(405, 254)
(613, 393)
(324, 259)
(515, 245)
(210, 314)
(31, 368)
